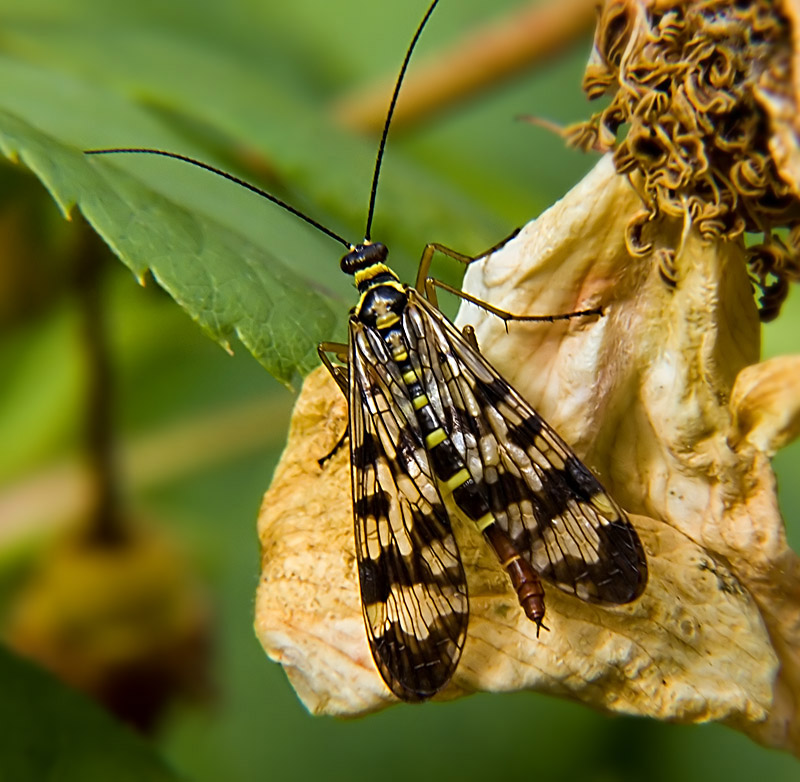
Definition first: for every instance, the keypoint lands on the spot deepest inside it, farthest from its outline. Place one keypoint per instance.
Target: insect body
(436, 434)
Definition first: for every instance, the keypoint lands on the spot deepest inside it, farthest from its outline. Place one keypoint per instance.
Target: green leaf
(224, 281)
(49, 733)
(120, 75)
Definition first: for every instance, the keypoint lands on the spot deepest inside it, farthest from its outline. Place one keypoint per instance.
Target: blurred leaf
(48, 732)
(36, 266)
(39, 397)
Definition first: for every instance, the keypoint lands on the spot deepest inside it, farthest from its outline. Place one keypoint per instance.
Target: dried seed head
(706, 91)
(123, 621)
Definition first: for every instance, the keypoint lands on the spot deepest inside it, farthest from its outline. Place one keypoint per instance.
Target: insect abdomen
(454, 479)
(523, 577)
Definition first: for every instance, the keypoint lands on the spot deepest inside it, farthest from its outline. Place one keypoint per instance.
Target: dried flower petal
(642, 395)
(666, 400)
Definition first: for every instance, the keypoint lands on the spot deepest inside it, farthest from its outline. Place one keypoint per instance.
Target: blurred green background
(249, 85)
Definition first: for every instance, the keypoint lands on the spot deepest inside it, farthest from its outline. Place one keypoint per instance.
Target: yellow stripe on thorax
(364, 275)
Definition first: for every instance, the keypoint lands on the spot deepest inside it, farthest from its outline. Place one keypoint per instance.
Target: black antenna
(382, 146)
(269, 196)
(224, 175)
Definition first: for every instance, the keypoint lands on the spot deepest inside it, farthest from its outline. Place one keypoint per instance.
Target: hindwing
(555, 511)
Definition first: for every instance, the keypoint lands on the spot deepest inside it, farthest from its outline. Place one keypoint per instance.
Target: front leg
(472, 338)
(341, 375)
(427, 285)
(430, 249)
(338, 373)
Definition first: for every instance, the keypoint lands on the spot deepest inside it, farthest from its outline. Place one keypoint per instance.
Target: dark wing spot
(366, 452)
(553, 498)
(376, 505)
(375, 586)
(582, 483)
(507, 490)
(391, 568)
(417, 668)
(620, 545)
(617, 576)
(433, 526)
(525, 433)
(496, 389)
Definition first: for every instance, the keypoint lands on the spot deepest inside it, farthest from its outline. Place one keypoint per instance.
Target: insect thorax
(383, 296)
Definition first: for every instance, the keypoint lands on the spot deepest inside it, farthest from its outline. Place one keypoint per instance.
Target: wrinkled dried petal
(641, 394)
(664, 397)
(766, 405)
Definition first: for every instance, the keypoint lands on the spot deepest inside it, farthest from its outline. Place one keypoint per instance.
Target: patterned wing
(552, 507)
(413, 587)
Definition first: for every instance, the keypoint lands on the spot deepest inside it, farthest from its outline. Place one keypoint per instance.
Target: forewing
(413, 587)
(555, 511)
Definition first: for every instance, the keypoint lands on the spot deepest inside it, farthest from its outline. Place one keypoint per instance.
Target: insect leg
(430, 249)
(338, 373)
(333, 451)
(427, 285)
(341, 375)
(469, 335)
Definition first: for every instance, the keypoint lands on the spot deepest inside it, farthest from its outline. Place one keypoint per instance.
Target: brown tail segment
(523, 577)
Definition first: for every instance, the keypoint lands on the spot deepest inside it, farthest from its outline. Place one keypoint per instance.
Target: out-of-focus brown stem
(476, 62)
(104, 524)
